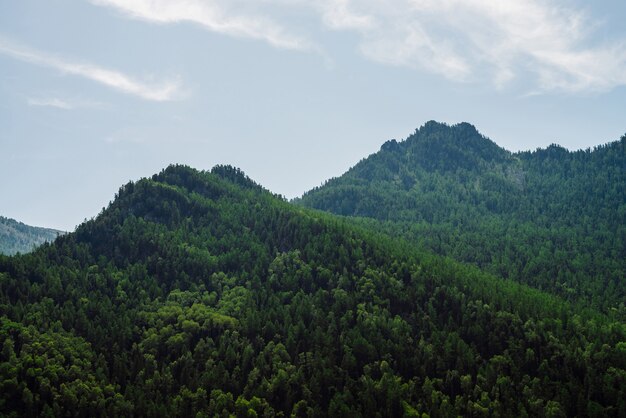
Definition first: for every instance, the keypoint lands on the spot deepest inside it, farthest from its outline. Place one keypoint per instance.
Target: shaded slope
(552, 218)
(201, 293)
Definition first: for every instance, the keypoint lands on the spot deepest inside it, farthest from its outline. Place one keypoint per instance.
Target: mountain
(202, 294)
(551, 218)
(17, 237)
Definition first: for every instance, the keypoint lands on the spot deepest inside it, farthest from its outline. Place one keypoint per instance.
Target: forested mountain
(202, 294)
(551, 218)
(17, 237)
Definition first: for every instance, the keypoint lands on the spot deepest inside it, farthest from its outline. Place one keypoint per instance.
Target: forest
(201, 294)
(552, 219)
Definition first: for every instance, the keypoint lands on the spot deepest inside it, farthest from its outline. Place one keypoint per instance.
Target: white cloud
(225, 17)
(162, 91)
(66, 104)
(337, 14)
(538, 43)
(50, 102)
(474, 40)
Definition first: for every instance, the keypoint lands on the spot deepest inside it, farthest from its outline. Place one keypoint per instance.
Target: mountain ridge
(197, 293)
(429, 131)
(17, 237)
(547, 209)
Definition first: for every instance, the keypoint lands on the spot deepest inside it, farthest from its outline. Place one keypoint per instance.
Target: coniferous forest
(552, 219)
(462, 280)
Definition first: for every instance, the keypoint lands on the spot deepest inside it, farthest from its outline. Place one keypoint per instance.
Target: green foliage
(552, 219)
(200, 294)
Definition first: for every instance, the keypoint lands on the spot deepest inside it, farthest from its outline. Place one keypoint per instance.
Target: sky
(94, 93)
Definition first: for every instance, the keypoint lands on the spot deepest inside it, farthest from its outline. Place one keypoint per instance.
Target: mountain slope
(551, 218)
(17, 237)
(201, 294)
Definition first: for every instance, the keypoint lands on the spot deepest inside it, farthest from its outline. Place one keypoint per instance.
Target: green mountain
(551, 218)
(17, 237)
(202, 294)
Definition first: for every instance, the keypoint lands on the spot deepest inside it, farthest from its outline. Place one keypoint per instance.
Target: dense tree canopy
(202, 294)
(551, 218)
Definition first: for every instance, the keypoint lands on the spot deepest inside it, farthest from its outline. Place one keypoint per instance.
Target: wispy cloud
(161, 91)
(50, 102)
(59, 103)
(219, 16)
(337, 14)
(473, 40)
(539, 43)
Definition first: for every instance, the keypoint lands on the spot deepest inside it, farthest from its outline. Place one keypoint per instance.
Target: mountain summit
(436, 156)
(533, 216)
(440, 147)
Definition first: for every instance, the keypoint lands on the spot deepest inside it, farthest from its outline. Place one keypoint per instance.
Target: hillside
(202, 294)
(17, 237)
(551, 218)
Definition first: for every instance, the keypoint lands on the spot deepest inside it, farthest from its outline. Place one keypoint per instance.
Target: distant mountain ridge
(17, 237)
(552, 218)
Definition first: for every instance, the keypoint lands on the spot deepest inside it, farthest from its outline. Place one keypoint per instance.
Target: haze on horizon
(94, 93)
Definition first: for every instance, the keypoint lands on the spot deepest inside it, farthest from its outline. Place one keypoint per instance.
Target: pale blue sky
(94, 93)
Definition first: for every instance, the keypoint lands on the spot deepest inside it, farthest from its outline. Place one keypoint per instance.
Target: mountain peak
(182, 175)
(236, 175)
(437, 146)
(433, 126)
